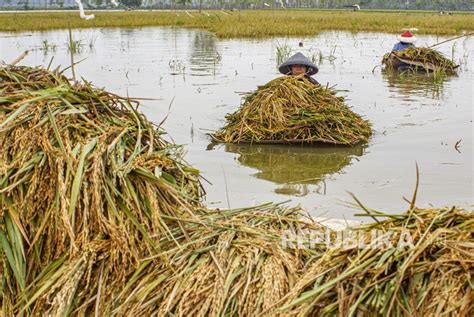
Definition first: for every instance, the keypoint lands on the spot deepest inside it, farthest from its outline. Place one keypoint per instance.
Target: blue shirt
(400, 46)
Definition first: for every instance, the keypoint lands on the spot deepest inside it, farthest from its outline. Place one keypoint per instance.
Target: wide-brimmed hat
(298, 59)
(407, 37)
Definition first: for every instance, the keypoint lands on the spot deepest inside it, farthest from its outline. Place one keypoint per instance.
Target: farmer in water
(299, 64)
(407, 39)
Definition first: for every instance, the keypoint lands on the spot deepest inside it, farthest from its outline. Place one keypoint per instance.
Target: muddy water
(417, 119)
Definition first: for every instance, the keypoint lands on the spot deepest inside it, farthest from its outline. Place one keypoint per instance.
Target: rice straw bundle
(84, 181)
(420, 58)
(235, 264)
(433, 277)
(293, 110)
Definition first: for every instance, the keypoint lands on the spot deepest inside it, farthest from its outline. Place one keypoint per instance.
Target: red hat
(407, 37)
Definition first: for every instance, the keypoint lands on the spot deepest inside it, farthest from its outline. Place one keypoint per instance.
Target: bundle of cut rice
(293, 110)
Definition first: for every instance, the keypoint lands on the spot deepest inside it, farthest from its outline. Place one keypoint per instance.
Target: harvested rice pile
(84, 182)
(100, 216)
(233, 264)
(426, 59)
(428, 271)
(426, 55)
(293, 110)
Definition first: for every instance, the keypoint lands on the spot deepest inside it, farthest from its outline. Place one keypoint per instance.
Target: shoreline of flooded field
(199, 78)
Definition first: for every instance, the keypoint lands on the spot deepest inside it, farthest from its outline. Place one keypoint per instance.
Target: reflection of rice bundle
(301, 165)
(410, 83)
(293, 110)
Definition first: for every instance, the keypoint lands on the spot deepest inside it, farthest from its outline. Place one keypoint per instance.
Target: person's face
(298, 70)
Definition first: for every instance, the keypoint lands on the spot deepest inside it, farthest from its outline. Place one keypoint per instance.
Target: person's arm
(312, 80)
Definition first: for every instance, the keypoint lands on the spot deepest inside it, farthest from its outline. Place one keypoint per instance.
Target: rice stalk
(249, 23)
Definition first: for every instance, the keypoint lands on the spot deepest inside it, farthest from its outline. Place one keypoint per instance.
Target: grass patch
(253, 24)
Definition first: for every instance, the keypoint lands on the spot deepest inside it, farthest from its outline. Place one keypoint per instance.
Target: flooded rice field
(197, 79)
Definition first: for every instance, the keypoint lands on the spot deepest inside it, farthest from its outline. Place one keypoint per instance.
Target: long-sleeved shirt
(400, 46)
(312, 80)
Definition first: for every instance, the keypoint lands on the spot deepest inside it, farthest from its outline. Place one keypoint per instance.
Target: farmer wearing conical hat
(299, 64)
(407, 39)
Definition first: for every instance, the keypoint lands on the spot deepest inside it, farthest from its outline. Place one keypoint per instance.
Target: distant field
(249, 23)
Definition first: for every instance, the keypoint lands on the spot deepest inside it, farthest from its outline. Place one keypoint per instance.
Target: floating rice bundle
(421, 59)
(293, 110)
(84, 182)
(416, 264)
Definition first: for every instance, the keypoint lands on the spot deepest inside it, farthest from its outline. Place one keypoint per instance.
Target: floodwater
(417, 119)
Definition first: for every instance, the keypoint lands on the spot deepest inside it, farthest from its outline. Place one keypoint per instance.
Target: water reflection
(204, 59)
(408, 83)
(293, 167)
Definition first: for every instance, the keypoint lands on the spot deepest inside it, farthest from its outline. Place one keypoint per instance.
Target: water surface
(417, 119)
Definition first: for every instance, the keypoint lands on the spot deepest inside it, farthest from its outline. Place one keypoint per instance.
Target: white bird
(115, 3)
(82, 14)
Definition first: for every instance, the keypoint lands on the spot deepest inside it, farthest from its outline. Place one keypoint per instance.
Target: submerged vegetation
(291, 109)
(249, 23)
(283, 52)
(100, 216)
(47, 47)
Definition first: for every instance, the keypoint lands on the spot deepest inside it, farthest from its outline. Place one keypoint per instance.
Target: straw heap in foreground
(293, 110)
(421, 263)
(100, 216)
(245, 271)
(84, 181)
